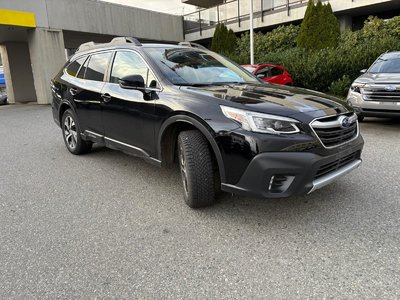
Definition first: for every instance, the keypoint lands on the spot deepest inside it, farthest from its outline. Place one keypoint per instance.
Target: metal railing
(235, 11)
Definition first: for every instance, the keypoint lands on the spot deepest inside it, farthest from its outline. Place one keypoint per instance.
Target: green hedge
(329, 69)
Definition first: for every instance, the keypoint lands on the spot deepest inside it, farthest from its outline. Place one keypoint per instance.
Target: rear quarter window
(73, 67)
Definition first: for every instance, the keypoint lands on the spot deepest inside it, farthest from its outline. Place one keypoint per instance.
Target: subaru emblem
(345, 122)
(390, 88)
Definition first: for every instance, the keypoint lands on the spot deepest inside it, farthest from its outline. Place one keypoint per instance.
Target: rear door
(86, 93)
(276, 75)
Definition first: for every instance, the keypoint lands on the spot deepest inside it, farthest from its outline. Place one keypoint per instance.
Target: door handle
(106, 97)
(73, 91)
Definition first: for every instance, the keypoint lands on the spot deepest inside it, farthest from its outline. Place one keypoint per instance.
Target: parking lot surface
(108, 225)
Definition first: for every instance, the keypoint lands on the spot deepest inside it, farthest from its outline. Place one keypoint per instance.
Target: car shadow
(332, 200)
(381, 121)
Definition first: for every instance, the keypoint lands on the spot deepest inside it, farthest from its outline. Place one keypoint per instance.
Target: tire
(360, 118)
(196, 168)
(3, 100)
(71, 134)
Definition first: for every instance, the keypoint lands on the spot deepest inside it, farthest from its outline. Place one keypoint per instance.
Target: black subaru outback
(224, 127)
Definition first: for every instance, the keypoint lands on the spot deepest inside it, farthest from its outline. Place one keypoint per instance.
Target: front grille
(381, 93)
(337, 130)
(334, 165)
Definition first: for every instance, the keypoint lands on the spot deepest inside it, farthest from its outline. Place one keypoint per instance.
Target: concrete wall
(105, 18)
(38, 7)
(47, 53)
(18, 73)
(101, 17)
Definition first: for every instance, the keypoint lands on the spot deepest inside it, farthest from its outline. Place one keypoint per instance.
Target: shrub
(341, 86)
(224, 40)
(279, 39)
(319, 28)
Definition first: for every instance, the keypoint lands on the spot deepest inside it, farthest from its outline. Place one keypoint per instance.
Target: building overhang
(203, 3)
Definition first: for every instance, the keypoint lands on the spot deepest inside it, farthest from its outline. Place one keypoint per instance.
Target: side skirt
(120, 146)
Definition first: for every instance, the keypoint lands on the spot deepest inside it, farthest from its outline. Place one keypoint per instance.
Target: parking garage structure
(37, 36)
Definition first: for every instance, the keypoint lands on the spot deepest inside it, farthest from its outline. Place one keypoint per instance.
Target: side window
(264, 72)
(97, 66)
(82, 71)
(128, 63)
(74, 66)
(276, 71)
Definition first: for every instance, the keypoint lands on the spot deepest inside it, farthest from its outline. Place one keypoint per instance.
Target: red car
(270, 73)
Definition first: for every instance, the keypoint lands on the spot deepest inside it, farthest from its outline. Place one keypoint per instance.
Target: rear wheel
(71, 134)
(195, 163)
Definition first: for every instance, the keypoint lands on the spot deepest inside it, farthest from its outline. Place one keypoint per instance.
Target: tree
(320, 28)
(224, 40)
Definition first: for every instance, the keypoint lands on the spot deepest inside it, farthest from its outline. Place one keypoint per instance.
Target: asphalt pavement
(107, 225)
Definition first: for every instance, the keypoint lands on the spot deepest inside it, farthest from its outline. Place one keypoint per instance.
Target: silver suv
(376, 93)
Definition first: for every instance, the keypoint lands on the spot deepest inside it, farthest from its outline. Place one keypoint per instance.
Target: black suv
(224, 127)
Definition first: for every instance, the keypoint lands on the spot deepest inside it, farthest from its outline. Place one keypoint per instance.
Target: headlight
(263, 123)
(356, 87)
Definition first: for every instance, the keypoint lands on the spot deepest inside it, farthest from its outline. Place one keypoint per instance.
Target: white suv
(376, 93)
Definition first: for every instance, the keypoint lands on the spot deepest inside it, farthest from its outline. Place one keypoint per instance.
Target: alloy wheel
(70, 132)
(182, 164)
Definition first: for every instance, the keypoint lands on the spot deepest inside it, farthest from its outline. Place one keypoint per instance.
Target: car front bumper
(373, 108)
(283, 174)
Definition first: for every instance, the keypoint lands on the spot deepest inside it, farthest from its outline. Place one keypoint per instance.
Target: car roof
(391, 54)
(93, 48)
(259, 65)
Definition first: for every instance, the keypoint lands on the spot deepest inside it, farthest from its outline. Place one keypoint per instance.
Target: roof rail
(193, 45)
(115, 41)
(125, 40)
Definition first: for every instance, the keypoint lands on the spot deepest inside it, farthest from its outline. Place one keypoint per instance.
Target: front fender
(203, 128)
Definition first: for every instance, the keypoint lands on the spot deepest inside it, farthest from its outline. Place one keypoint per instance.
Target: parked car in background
(3, 94)
(376, 93)
(270, 73)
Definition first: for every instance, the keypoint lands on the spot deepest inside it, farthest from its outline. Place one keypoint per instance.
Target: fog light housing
(280, 183)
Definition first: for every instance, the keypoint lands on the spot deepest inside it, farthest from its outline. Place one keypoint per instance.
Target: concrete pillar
(346, 22)
(47, 53)
(18, 72)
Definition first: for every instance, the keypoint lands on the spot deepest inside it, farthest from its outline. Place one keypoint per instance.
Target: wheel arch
(177, 123)
(63, 107)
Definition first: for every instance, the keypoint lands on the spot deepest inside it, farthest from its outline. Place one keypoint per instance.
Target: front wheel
(71, 134)
(196, 166)
(360, 118)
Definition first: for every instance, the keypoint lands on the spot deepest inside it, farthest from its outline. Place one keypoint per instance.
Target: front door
(128, 115)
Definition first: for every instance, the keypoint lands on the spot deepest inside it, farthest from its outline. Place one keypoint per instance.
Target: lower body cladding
(283, 174)
(378, 112)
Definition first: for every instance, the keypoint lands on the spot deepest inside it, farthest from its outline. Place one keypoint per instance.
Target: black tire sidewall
(199, 169)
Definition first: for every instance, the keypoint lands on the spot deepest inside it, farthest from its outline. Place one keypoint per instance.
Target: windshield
(186, 66)
(249, 68)
(386, 64)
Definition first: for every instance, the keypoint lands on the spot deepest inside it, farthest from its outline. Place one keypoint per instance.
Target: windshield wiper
(194, 84)
(212, 83)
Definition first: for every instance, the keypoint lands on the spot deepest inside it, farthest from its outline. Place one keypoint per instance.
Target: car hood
(274, 99)
(379, 78)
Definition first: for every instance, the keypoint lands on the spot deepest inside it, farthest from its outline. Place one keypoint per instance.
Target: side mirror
(260, 76)
(363, 71)
(133, 82)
